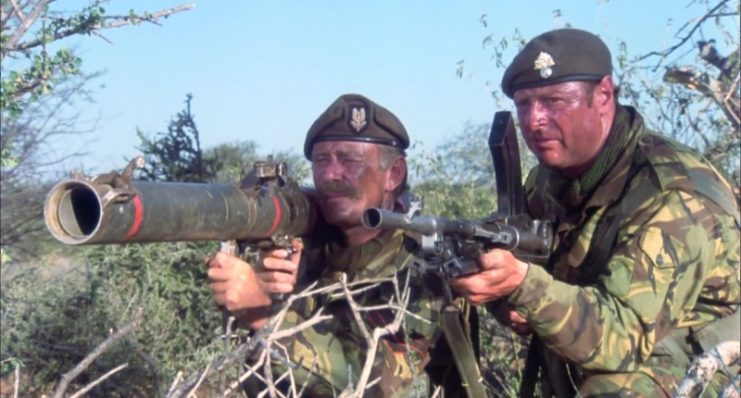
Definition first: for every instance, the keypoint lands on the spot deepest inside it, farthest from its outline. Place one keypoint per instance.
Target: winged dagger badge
(358, 119)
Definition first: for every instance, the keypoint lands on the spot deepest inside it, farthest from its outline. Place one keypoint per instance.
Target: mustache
(337, 188)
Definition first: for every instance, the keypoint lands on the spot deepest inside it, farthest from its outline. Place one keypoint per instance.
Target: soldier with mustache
(644, 274)
(356, 148)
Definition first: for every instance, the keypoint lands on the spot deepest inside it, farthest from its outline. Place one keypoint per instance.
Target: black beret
(353, 117)
(558, 56)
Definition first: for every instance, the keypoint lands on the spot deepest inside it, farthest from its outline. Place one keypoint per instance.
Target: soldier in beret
(644, 273)
(356, 148)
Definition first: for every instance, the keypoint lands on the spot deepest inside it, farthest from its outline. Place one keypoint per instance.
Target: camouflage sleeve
(677, 266)
(329, 356)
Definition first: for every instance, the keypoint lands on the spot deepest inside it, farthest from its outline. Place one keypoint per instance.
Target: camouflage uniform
(330, 356)
(619, 324)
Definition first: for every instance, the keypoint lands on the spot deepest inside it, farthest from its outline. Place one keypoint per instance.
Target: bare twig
(18, 11)
(123, 20)
(665, 53)
(355, 309)
(732, 390)
(151, 364)
(372, 339)
(99, 350)
(265, 347)
(175, 382)
(99, 380)
(119, 21)
(706, 365)
(17, 381)
(200, 380)
(26, 22)
(220, 364)
(251, 370)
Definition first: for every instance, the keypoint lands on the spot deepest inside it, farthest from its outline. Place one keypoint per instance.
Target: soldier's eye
(352, 160)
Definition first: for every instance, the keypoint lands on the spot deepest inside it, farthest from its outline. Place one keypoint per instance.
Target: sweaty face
(561, 126)
(348, 179)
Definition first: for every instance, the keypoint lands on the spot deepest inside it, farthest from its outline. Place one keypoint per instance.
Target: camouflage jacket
(674, 262)
(329, 356)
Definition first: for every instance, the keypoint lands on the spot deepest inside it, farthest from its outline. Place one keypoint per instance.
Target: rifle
(267, 210)
(452, 246)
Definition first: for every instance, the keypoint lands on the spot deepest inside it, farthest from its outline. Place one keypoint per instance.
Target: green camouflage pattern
(329, 357)
(674, 265)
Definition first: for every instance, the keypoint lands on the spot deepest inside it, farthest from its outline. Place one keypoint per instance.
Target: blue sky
(264, 70)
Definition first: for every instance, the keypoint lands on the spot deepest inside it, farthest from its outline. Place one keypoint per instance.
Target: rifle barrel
(375, 218)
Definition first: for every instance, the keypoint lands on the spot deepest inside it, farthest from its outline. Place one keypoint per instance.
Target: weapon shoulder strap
(462, 348)
(459, 323)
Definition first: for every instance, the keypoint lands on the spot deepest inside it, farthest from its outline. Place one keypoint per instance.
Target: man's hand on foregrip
(236, 287)
(279, 267)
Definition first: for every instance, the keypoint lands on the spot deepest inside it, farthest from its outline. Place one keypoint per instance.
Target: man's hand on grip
(501, 273)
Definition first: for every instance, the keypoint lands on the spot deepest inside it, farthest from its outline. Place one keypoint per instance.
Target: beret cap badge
(358, 119)
(543, 63)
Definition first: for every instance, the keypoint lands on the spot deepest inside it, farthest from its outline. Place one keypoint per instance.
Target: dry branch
(703, 368)
(663, 54)
(26, 21)
(115, 21)
(98, 351)
(264, 347)
(99, 380)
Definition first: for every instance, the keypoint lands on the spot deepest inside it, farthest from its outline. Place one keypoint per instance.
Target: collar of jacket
(373, 259)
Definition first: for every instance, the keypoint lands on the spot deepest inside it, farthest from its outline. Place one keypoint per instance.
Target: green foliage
(175, 155)
(34, 59)
(7, 158)
(230, 162)
(503, 355)
(51, 322)
(38, 79)
(169, 282)
(9, 365)
(48, 323)
(457, 179)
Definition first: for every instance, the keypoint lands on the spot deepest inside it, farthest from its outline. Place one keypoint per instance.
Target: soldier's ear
(604, 95)
(397, 174)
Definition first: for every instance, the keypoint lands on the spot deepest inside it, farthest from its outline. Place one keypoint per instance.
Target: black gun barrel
(375, 218)
(80, 212)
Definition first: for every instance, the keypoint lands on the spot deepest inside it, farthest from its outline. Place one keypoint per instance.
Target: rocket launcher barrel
(112, 209)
